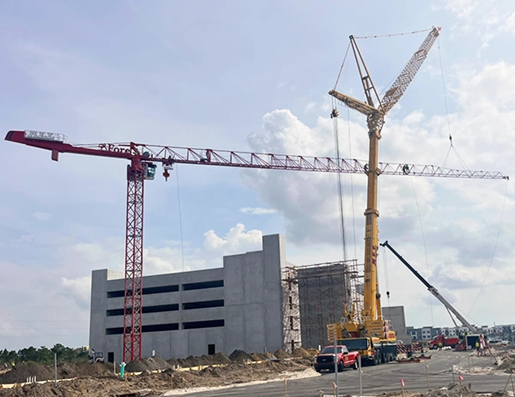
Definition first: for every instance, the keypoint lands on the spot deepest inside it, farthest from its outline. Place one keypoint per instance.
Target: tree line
(44, 355)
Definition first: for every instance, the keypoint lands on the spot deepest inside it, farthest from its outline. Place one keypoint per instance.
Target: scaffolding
(291, 313)
(316, 295)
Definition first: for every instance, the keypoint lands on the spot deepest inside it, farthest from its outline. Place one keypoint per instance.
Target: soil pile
(501, 393)
(76, 388)
(158, 383)
(220, 358)
(155, 363)
(21, 372)
(136, 366)
(300, 352)
(508, 365)
(452, 390)
(312, 352)
(239, 356)
(281, 354)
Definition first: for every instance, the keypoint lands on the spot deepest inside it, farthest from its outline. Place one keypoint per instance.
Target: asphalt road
(376, 380)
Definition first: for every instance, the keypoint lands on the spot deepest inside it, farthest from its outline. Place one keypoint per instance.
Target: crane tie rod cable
(392, 34)
(341, 67)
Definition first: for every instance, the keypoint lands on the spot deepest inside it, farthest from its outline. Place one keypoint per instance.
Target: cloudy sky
(251, 76)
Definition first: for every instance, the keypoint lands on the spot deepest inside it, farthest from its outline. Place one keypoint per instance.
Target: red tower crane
(142, 158)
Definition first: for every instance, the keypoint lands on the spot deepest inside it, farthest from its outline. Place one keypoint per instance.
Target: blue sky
(249, 76)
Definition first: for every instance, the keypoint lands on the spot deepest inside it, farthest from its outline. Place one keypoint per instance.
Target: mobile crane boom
(370, 320)
(432, 289)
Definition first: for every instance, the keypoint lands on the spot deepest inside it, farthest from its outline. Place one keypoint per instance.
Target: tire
(340, 367)
(434, 347)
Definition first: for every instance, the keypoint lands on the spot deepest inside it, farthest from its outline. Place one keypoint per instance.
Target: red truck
(441, 340)
(345, 359)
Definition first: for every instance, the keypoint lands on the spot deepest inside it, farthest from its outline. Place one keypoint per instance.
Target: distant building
(398, 322)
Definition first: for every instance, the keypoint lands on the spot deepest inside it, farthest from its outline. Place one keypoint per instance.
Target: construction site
(261, 324)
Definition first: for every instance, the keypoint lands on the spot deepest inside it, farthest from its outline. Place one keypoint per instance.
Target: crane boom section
(184, 155)
(403, 80)
(431, 289)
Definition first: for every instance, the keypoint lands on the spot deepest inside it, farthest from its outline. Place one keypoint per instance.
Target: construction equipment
(95, 357)
(450, 308)
(369, 323)
(142, 167)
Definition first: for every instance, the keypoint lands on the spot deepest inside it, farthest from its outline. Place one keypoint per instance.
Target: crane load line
(392, 34)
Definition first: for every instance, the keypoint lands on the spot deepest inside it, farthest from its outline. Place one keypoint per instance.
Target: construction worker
(440, 345)
(482, 344)
(477, 347)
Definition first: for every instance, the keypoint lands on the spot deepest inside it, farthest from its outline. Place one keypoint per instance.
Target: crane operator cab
(149, 171)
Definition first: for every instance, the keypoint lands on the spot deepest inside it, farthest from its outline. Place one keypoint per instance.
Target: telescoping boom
(432, 289)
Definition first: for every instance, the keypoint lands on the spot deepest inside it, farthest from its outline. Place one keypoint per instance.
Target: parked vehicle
(344, 359)
(441, 340)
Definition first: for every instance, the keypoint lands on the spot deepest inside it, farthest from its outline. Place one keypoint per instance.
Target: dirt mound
(312, 352)
(148, 364)
(500, 393)
(90, 387)
(300, 352)
(452, 390)
(508, 364)
(21, 372)
(240, 356)
(155, 363)
(190, 361)
(221, 358)
(280, 353)
(158, 383)
(136, 366)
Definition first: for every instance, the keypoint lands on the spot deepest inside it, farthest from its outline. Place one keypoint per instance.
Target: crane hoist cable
(386, 280)
(180, 213)
(334, 116)
(493, 252)
(443, 87)
(341, 67)
(352, 187)
(451, 146)
(425, 247)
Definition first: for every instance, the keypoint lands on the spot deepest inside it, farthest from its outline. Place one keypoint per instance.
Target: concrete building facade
(238, 306)
(398, 322)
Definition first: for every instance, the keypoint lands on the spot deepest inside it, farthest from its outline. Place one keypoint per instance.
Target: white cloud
(257, 211)
(42, 216)
(78, 288)
(236, 241)
(486, 19)
(310, 106)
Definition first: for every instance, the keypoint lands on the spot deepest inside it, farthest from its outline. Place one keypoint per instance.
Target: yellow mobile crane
(367, 331)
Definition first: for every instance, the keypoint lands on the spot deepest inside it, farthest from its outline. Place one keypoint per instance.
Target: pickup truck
(345, 359)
